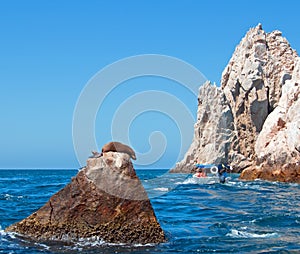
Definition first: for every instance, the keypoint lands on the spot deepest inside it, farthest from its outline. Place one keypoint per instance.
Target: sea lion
(118, 147)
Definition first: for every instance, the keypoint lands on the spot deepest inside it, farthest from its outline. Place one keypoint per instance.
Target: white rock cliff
(253, 85)
(278, 144)
(213, 130)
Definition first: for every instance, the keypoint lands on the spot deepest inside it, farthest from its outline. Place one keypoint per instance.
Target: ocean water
(236, 217)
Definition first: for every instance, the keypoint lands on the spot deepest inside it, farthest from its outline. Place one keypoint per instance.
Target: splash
(245, 234)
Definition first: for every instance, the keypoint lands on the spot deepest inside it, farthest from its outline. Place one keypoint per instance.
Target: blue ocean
(235, 217)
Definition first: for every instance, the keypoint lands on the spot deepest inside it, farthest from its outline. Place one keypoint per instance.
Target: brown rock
(105, 200)
(289, 172)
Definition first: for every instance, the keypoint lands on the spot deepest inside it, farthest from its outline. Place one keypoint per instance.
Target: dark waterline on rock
(236, 217)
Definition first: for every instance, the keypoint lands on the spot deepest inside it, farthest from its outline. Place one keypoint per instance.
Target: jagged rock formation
(105, 200)
(213, 130)
(278, 144)
(251, 86)
(252, 82)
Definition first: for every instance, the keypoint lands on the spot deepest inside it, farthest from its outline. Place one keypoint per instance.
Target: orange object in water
(200, 174)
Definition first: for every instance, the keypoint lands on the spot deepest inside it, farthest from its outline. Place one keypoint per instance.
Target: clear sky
(49, 50)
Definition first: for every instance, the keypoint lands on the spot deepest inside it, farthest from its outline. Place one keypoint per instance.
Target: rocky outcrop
(278, 144)
(105, 200)
(252, 83)
(213, 130)
(253, 87)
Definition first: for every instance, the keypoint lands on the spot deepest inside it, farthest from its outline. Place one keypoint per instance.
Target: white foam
(254, 220)
(46, 247)
(189, 181)
(161, 189)
(201, 180)
(97, 242)
(244, 234)
(2, 232)
(10, 234)
(7, 196)
(143, 245)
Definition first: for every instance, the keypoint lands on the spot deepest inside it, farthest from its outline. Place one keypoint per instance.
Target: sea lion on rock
(118, 147)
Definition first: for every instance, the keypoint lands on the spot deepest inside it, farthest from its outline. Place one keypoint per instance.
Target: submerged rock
(105, 200)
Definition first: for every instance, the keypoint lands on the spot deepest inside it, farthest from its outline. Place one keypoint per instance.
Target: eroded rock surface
(258, 106)
(213, 130)
(252, 83)
(278, 144)
(105, 200)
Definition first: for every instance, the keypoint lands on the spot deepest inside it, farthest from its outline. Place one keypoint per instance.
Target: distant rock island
(252, 121)
(105, 201)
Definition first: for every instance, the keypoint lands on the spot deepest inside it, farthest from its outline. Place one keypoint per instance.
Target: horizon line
(73, 168)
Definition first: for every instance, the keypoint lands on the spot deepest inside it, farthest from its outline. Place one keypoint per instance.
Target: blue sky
(49, 50)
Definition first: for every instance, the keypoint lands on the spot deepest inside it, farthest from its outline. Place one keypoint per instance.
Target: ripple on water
(236, 217)
(248, 233)
(6, 196)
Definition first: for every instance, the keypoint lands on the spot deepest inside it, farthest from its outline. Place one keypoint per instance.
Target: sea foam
(244, 234)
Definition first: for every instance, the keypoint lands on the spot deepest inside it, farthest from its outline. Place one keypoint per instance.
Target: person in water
(200, 173)
(222, 172)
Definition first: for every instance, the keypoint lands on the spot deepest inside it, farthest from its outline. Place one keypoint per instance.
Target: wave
(244, 234)
(18, 241)
(203, 180)
(90, 242)
(6, 196)
(188, 181)
(4, 234)
(96, 242)
(13, 179)
(42, 246)
(161, 189)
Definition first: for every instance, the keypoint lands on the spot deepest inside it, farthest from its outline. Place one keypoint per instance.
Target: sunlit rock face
(105, 200)
(278, 144)
(213, 130)
(235, 123)
(252, 83)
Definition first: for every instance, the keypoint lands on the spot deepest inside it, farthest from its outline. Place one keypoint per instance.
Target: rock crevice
(254, 84)
(213, 130)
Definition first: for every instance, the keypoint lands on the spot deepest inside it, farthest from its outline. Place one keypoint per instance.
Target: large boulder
(278, 144)
(105, 200)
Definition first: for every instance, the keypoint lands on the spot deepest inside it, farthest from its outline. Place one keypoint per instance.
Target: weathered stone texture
(252, 83)
(259, 107)
(278, 144)
(104, 200)
(213, 130)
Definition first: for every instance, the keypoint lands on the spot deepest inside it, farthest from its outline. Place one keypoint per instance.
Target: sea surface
(235, 217)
